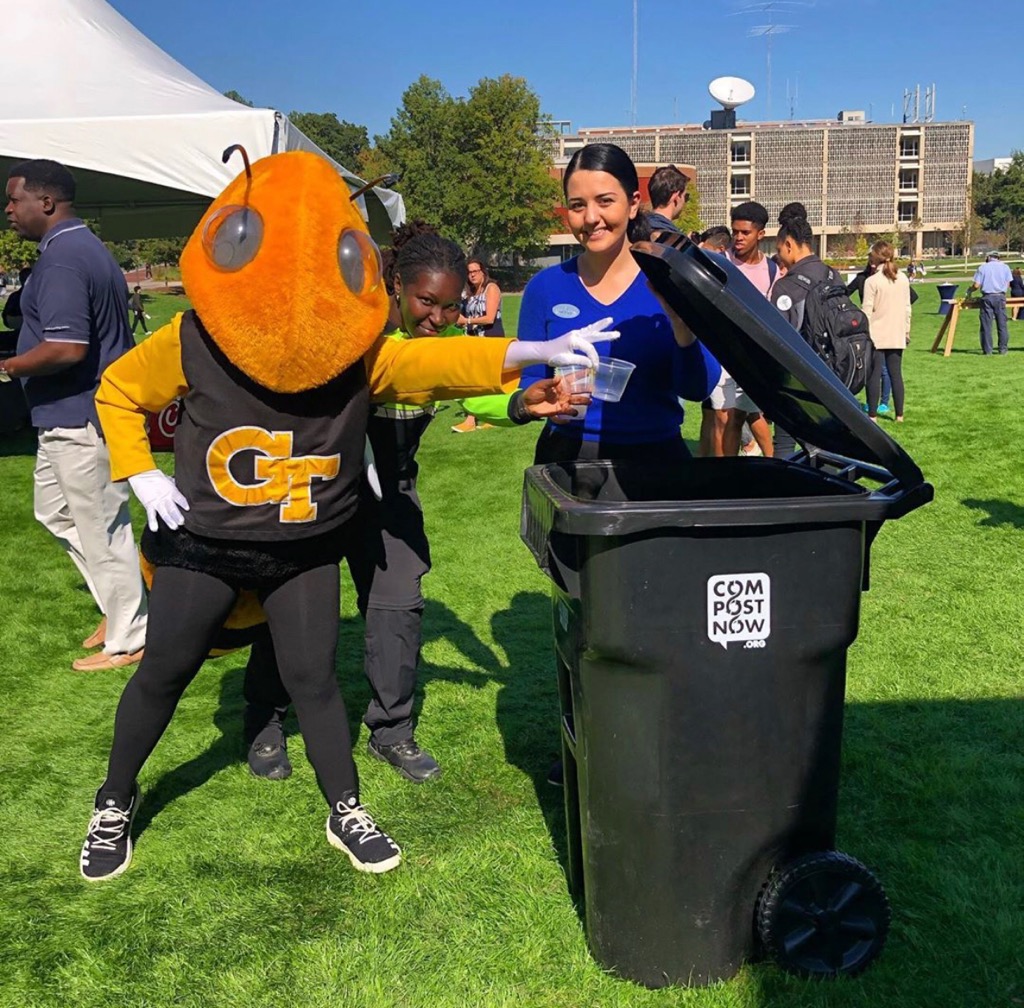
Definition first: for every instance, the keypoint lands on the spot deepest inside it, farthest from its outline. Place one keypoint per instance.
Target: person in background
(887, 306)
(139, 311)
(12, 306)
(992, 278)
(667, 189)
(748, 223)
(73, 326)
(1017, 291)
(480, 316)
(716, 239)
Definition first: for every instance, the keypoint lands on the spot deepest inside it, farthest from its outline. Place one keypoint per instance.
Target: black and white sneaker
(351, 828)
(107, 850)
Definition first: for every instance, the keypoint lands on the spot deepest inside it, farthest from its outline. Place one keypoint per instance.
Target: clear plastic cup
(610, 378)
(580, 381)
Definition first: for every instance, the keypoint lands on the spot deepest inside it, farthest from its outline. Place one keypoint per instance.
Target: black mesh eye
(232, 237)
(359, 260)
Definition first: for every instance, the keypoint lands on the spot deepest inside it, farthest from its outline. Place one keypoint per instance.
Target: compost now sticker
(739, 609)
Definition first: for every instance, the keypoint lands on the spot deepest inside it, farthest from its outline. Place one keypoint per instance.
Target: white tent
(142, 135)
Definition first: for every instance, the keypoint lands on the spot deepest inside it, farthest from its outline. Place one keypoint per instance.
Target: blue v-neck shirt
(556, 301)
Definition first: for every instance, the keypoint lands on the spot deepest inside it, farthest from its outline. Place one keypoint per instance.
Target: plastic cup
(580, 381)
(610, 378)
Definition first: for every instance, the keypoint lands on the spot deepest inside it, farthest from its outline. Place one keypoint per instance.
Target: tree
(337, 138)
(474, 167)
(423, 145)
(1000, 195)
(506, 198)
(16, 252)
(235, 96)
(689, 217)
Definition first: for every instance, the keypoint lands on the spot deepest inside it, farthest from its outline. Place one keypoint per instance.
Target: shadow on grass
(197, 771)
(999, 512)
(18, 443)
(527, 708)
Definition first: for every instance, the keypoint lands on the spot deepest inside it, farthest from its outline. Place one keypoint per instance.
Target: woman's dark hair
(417, 248)
(606, 157)
(793, 224)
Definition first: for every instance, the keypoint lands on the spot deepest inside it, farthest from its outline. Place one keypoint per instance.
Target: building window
(740, 152)
(907, 211)
(908, 178)
(739, 185)
(910, 146)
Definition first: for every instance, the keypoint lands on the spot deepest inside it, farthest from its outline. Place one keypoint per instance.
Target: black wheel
(823, 915)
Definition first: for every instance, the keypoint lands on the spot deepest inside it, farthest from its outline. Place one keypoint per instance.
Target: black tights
(186, 609)
(894, 363)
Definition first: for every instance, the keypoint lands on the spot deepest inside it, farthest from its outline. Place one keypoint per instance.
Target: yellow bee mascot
(276, 365)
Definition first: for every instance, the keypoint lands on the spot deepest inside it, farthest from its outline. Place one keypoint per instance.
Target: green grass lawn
(235, 898)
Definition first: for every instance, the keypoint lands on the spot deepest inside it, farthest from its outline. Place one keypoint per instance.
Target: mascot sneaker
(351, 828)
(107, 850)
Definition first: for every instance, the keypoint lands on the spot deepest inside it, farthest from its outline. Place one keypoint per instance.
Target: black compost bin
(702, 615)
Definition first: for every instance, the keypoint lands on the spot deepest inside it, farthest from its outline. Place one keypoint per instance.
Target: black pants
(388, 556)
(893, 361)
(186, 609)
(139, 320)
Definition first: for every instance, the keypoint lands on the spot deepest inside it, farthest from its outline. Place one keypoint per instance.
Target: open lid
(769, 359)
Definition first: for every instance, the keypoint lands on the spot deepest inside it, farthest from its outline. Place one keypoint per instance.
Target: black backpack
(837, 330)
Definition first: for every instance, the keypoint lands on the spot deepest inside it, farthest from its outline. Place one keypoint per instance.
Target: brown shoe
(467, 425)
(98, 637)
(101, 661)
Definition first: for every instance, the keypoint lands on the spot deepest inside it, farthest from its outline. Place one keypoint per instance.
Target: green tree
(999, 196)
(474, 167)
(423, 145)
(506, 197)
(337, 138)
(235, 96)
(16, 252)
(689, 218)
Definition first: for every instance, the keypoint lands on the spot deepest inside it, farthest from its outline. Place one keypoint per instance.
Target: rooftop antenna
(771, 10)
(632, 92)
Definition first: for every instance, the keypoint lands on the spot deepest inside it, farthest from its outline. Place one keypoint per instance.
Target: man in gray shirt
(73, 326)
(992, 278)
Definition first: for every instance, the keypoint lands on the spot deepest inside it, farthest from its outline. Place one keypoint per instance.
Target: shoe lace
(106, 827)
(358, 822)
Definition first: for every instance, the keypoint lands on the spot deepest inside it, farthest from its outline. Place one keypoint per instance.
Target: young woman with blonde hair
(887, 306)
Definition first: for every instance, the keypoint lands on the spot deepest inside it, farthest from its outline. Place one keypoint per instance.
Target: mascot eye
(359, 259)
(232, 237)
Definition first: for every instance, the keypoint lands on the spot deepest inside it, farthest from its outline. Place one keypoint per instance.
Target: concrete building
(992, 164)
(854, 176)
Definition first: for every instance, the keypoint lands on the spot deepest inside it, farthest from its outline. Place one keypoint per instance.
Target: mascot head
(284, 274)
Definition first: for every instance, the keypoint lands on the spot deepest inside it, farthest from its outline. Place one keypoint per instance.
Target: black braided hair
(793, 224)
(417, 248)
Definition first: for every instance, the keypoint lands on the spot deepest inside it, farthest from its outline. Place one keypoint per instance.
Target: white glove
(574, 349)
(160, 497)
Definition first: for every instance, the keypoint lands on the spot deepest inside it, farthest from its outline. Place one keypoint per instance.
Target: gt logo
(278, 478)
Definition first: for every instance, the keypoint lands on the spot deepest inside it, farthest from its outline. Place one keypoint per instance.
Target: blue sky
(325, 56)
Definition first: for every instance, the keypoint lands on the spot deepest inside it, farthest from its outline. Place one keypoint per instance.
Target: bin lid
(769, 359)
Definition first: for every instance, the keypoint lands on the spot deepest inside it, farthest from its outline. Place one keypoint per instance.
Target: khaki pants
(76, 501)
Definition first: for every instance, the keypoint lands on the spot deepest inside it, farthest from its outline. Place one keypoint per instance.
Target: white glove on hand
(160, 497)
(574, 349)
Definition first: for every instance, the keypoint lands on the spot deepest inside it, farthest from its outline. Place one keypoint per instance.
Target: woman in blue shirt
(602, 194)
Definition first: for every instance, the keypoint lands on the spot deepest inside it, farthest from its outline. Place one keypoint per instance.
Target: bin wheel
(823, 915)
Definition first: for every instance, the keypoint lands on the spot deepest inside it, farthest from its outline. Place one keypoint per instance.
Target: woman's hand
(681, 331)
(550, 399)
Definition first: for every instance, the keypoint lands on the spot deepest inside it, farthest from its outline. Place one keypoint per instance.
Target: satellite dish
(731, 92)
